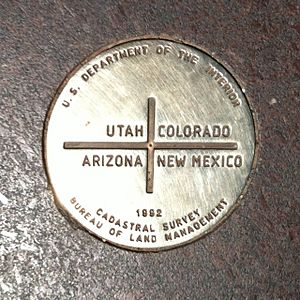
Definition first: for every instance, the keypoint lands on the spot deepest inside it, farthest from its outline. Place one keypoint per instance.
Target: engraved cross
(151, 145)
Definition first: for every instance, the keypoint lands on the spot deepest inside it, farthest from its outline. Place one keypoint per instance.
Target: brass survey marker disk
(149, 144)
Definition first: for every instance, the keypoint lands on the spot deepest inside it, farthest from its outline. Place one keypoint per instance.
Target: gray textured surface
(254, 254)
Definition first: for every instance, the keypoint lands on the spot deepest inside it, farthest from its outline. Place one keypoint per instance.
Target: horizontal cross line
(155, 145)
(195, 145)
(105, 145)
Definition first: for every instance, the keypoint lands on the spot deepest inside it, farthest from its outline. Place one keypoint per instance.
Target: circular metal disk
(149, 144)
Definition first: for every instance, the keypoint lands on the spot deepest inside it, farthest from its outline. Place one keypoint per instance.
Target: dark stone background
(254, 254)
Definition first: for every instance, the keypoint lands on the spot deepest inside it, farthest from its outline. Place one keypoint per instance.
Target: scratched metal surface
(254, 254)
(183, 93)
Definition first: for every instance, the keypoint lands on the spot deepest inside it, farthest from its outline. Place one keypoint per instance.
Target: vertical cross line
(150, 143)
